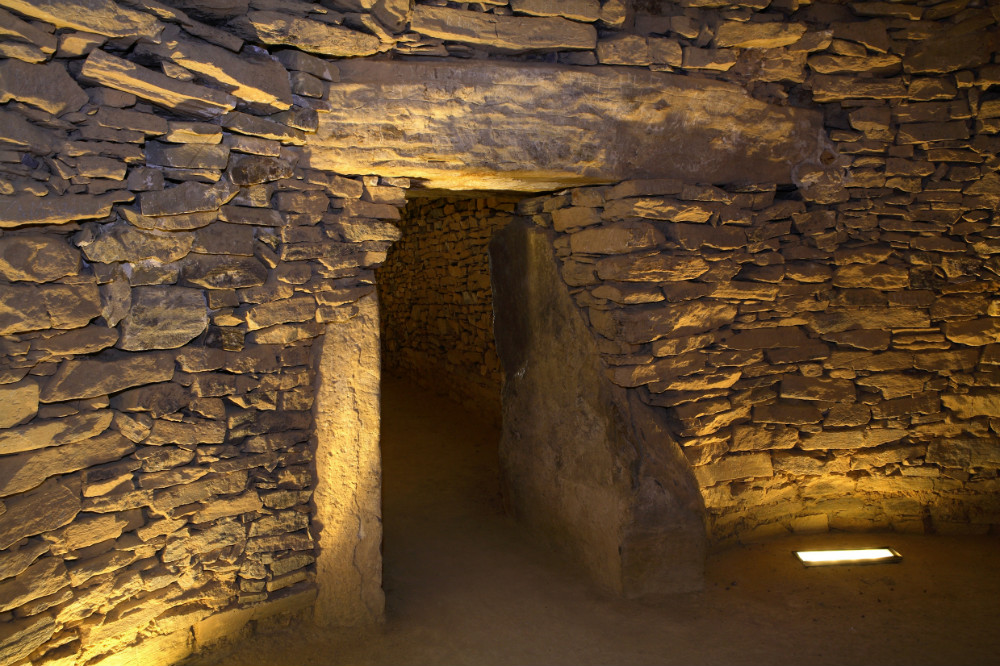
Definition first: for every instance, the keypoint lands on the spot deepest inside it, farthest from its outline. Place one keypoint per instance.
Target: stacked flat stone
(817, 374)
(165, 267)
(437, 303)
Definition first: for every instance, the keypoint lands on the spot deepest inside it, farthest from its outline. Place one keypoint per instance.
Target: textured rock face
(569, 435)
(532, 127)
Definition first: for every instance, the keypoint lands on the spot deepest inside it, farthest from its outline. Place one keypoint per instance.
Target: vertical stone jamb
(348, 520)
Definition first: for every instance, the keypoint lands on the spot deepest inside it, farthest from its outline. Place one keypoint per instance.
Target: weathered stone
(875, 276)
(948, 54)
(218, 272)
(730, 468)
(20, 403)
(608, 146)
(971, 405)
(157, 399)
(303, 62)
(86, 530)
(244, 123)
(851, 439)
(11, 26)
(28, 307)
(502, 32)
(313, 36)
(188, 197)
(893, 385)
(20, 637)
(976, 332)
(578, 10)
(123, 242)
(637, 325)
(759, 438)
(249, 76)
(831, 88)
(787, 412)
(16, 130)
(817, 388)
(187, 155)
(103, 17)
(48, 86)
(830, 64)
(197, 491)
(766, 338)
(267, 217)
(108, 372)
(44, 577)
(54, 432)
(48, 507)
(861, 339)
(747, 35)
(21, 209)
(841, 415)
(964, 453)
(186, 434)
(186, 222)
(296, 309)
(657, 208)
(256, 169)
(180, 96)
(163, 318)
(618, 238)
(249, 502)
(623, 49)
(651, 268)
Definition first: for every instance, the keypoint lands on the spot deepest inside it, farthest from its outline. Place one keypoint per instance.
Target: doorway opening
(441, 383)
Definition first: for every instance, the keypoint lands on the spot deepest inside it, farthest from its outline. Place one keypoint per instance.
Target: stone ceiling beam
(532, 127)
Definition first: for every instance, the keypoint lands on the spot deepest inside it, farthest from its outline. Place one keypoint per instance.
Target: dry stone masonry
(437, 303)
(782, 239)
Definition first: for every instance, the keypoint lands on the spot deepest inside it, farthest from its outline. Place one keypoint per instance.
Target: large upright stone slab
(586, 465)
(348, 516)
(534, 127)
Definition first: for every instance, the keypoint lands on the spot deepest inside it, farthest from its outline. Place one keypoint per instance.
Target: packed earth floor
(465, 585)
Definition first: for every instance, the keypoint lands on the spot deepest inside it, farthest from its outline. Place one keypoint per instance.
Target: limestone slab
(748, 35)
(272, 27)
(534, 127)
(513, 33)
(29, 307)
(108, 372)
(103, 17)
(24, 209)
(180, 96)
(19, 637)
(163, 318)
(188, 197)
(36, 258)
(49, 86)
(44, 433)
(43, 509)
(25, 471)
(125, 243)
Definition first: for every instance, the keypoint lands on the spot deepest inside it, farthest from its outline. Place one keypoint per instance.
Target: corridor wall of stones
(748, 289)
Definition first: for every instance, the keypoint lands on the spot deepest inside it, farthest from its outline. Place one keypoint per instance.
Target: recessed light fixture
(820, 558)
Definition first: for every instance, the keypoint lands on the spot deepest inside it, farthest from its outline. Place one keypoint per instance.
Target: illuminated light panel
(819, 558)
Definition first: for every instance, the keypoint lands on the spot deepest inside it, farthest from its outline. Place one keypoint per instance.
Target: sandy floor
(465, 586)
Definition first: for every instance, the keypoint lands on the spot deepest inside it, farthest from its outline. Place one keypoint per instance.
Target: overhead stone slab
(533, 127)
(505, 33)
(103, 17)
(44, 509)
(35, 258)
(108, 372)
(251, 77)
(302, 33)
(160, 89)
(163, 318)
(49, 86)
(23, 209)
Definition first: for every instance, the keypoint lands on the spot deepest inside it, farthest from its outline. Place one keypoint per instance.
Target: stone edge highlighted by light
(817, 558)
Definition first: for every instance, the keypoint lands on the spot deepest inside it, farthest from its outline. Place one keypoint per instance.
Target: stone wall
(437, 305)
(823, 368)
(167, 274)
(173, 253)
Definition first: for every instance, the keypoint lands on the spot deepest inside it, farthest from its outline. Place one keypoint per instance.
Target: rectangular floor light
(819, 558)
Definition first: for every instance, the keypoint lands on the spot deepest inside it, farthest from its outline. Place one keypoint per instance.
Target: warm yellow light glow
(815, 558)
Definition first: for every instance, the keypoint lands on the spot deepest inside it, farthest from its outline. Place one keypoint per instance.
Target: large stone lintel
(534, 127)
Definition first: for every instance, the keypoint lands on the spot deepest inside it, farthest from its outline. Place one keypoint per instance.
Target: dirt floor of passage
(465, 585)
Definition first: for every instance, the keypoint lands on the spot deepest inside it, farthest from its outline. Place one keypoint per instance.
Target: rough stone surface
(393, 95)
(48, 87)
(323, 38)
(502, 32)
(109, 373)
(24, 209)
(562, 457)
(163, 318)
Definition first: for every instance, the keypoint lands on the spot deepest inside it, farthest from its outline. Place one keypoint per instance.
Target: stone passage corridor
(465, 586)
